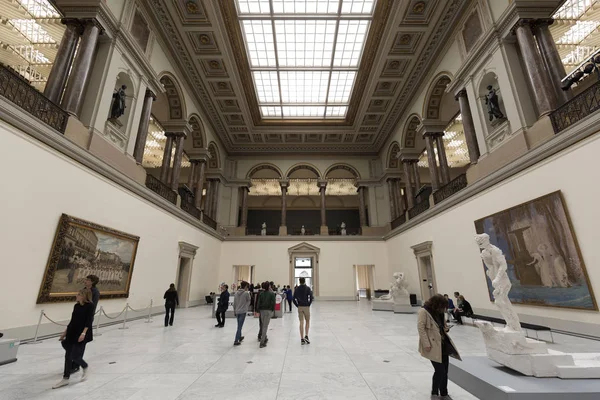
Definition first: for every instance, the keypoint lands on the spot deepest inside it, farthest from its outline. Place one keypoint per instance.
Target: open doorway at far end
(243, 273)
(364, 282)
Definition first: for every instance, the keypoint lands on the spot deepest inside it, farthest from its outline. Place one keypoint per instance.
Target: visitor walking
(90, 283)
(290, 297)
(171, 300)
(76, 335)
(222, 306)
(241, 304)
(303, 298)
(266, 307)
(435, 344)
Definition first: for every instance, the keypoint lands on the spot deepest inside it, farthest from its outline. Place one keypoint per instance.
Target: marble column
(192, 178)
(551, 58)
(416, 177)
(166, 163)
(401, 207)
(468, 126)
(82, 68)
(322, 189)
(214, 208)
(362, 209)
(284, 187)
(392, 194)
(408, 176)
(444, 168)
(142, 134)
(57, 79)
(244, 216)
(208, 197)
(200, 183)
(431, 160)
(543, 92)
(177, 161)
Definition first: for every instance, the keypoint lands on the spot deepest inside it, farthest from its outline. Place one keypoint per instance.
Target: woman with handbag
(435, 344)
(77, 334)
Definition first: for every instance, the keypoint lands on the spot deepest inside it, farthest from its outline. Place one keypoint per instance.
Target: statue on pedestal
(263, 231)
(493, 104)
(343, 229)
(302, 230)
(398, 289)
(496, 270)
(118, 105)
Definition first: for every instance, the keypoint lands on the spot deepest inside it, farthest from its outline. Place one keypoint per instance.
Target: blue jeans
(240, 322)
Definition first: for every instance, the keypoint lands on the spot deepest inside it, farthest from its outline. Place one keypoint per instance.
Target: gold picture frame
(83, 248)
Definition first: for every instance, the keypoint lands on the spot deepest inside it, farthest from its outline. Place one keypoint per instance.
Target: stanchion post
(125, 317)
(149, 312)
(97, 333)
(37, 329)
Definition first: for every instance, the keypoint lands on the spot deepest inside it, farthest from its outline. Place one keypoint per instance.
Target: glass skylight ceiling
(304, 54)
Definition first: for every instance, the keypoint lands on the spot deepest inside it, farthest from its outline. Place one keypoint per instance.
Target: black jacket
(467, 310)
(223, 303)
(171, 297)
(82, 317)
(303, 296)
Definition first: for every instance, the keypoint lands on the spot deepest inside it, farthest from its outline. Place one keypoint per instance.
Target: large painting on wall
(544, 261)
(83, 248)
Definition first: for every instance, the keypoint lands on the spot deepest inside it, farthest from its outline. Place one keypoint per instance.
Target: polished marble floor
(354, 354)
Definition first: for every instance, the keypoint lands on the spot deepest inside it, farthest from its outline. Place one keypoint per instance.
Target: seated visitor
(450, 310)
(464, 309)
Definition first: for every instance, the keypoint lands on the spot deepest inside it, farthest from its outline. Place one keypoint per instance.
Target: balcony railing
(187, 202)
(161, 189)
(418, 209)
(455, 186)
(17, 90)
(576, 109)
(209, 221)
(399, 221)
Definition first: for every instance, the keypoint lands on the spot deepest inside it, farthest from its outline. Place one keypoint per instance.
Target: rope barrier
(125, 317)
(115, 317)
(54, 322)
(134, 310)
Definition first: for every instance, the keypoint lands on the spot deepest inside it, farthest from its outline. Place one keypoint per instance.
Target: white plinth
(382, 305)
(405, 309)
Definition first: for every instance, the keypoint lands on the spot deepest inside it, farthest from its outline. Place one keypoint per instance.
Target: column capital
(543, 22)
(322, 183)
(93, 21)
(284, 183)
(73, 22)
(523, 22)
(150, 93)
(461, 93)
(431, 128)
(198, 158)
(177, 128)
(408, 158)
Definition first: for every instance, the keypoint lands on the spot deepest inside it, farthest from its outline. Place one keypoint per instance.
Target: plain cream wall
(456, 256)
(39, 185)
(336, 261)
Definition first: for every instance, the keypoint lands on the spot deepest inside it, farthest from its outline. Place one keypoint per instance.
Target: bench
(528, 327)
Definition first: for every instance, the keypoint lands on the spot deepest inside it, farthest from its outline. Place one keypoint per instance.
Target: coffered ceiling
(206, 39)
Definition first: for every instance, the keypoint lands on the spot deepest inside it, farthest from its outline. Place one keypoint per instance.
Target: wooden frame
(544, 260)
(82, 248)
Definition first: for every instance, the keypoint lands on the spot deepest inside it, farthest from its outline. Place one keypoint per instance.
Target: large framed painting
(545, 265)
(83, 248)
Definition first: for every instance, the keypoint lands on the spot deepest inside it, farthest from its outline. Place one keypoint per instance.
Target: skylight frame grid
(300, 52)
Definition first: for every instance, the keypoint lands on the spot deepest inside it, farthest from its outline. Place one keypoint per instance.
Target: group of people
(264, 307)
(463, 308)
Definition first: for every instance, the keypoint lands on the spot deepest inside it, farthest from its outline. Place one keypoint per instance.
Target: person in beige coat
(435, 344)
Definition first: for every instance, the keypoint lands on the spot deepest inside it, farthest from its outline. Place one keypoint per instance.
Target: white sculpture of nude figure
(398, 288)
(496, 270)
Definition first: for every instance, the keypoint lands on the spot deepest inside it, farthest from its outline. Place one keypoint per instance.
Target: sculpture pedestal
(402, 305)
(382, 305)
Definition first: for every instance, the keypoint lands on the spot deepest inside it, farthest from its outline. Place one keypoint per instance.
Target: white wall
(39, 185)
(336, 261)
(456, 256)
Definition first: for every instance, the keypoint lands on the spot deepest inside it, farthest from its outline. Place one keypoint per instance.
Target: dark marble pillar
(192, 178)
(392, 194)
(551, 58)
(543, 92)
(208, 197)
(284, 187)
(468, 126)
(180, 138)
(166, 163)
(431, 160)
(416, 177)
(82, 68)
(362, 209)
(57, 79)
(408, 176)
(401, 207)
(142, 134)
(444, 168)
(322, 189)
(244, 217)
(214, 208)
(200, 183)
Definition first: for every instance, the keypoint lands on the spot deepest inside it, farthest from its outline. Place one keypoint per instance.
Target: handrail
(399, 221)
(19, 91)
(209, 221)
(418, 209)
(187, 204)
(576, 109)
(454, 186)
(161, 189)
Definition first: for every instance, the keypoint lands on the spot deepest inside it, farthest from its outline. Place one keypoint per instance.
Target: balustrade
(399, 221)
(209, 221)
(187, 202)
(161, 189)
(454, 186)
(576, 109)
(418, 209)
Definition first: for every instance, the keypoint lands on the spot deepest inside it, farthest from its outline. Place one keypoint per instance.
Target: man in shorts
(303, 298)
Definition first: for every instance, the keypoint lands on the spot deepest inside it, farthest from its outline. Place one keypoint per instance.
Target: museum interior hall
(361, 158)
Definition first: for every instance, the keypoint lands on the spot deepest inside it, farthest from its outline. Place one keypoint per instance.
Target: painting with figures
(545, 265)
(83, 248)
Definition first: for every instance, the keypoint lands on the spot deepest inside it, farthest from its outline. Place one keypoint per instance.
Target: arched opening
(392, 156)
(215, 157)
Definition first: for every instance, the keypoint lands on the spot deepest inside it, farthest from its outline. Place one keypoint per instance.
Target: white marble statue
(496, 270)
(343, 229)
(263, 231)
(398, 289)
(302, 230)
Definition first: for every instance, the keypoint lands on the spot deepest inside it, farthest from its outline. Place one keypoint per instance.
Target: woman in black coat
(222, 306)
(77, 334)
(171, 300)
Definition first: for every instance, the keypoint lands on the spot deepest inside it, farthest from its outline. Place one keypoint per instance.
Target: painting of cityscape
(82, 248)
(544, 262)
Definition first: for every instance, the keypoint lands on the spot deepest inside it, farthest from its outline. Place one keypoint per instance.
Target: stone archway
(305, 250)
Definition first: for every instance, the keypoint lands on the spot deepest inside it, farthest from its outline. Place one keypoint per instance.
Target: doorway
(243, 273)
(424, 256)
(364, 281)
(187, 253)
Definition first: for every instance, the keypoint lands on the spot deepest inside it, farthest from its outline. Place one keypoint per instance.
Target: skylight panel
(260, 42)
(302, 43)
(341, 86)
(336, 111)
(271, 111)
(304, 111)
(573, 9)
(40, 8)
(267, 86)
(304, 86)
(253, 7)
(314, 7)
(32, 31)
(357, 6)
(350, 42)
(578, 32)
